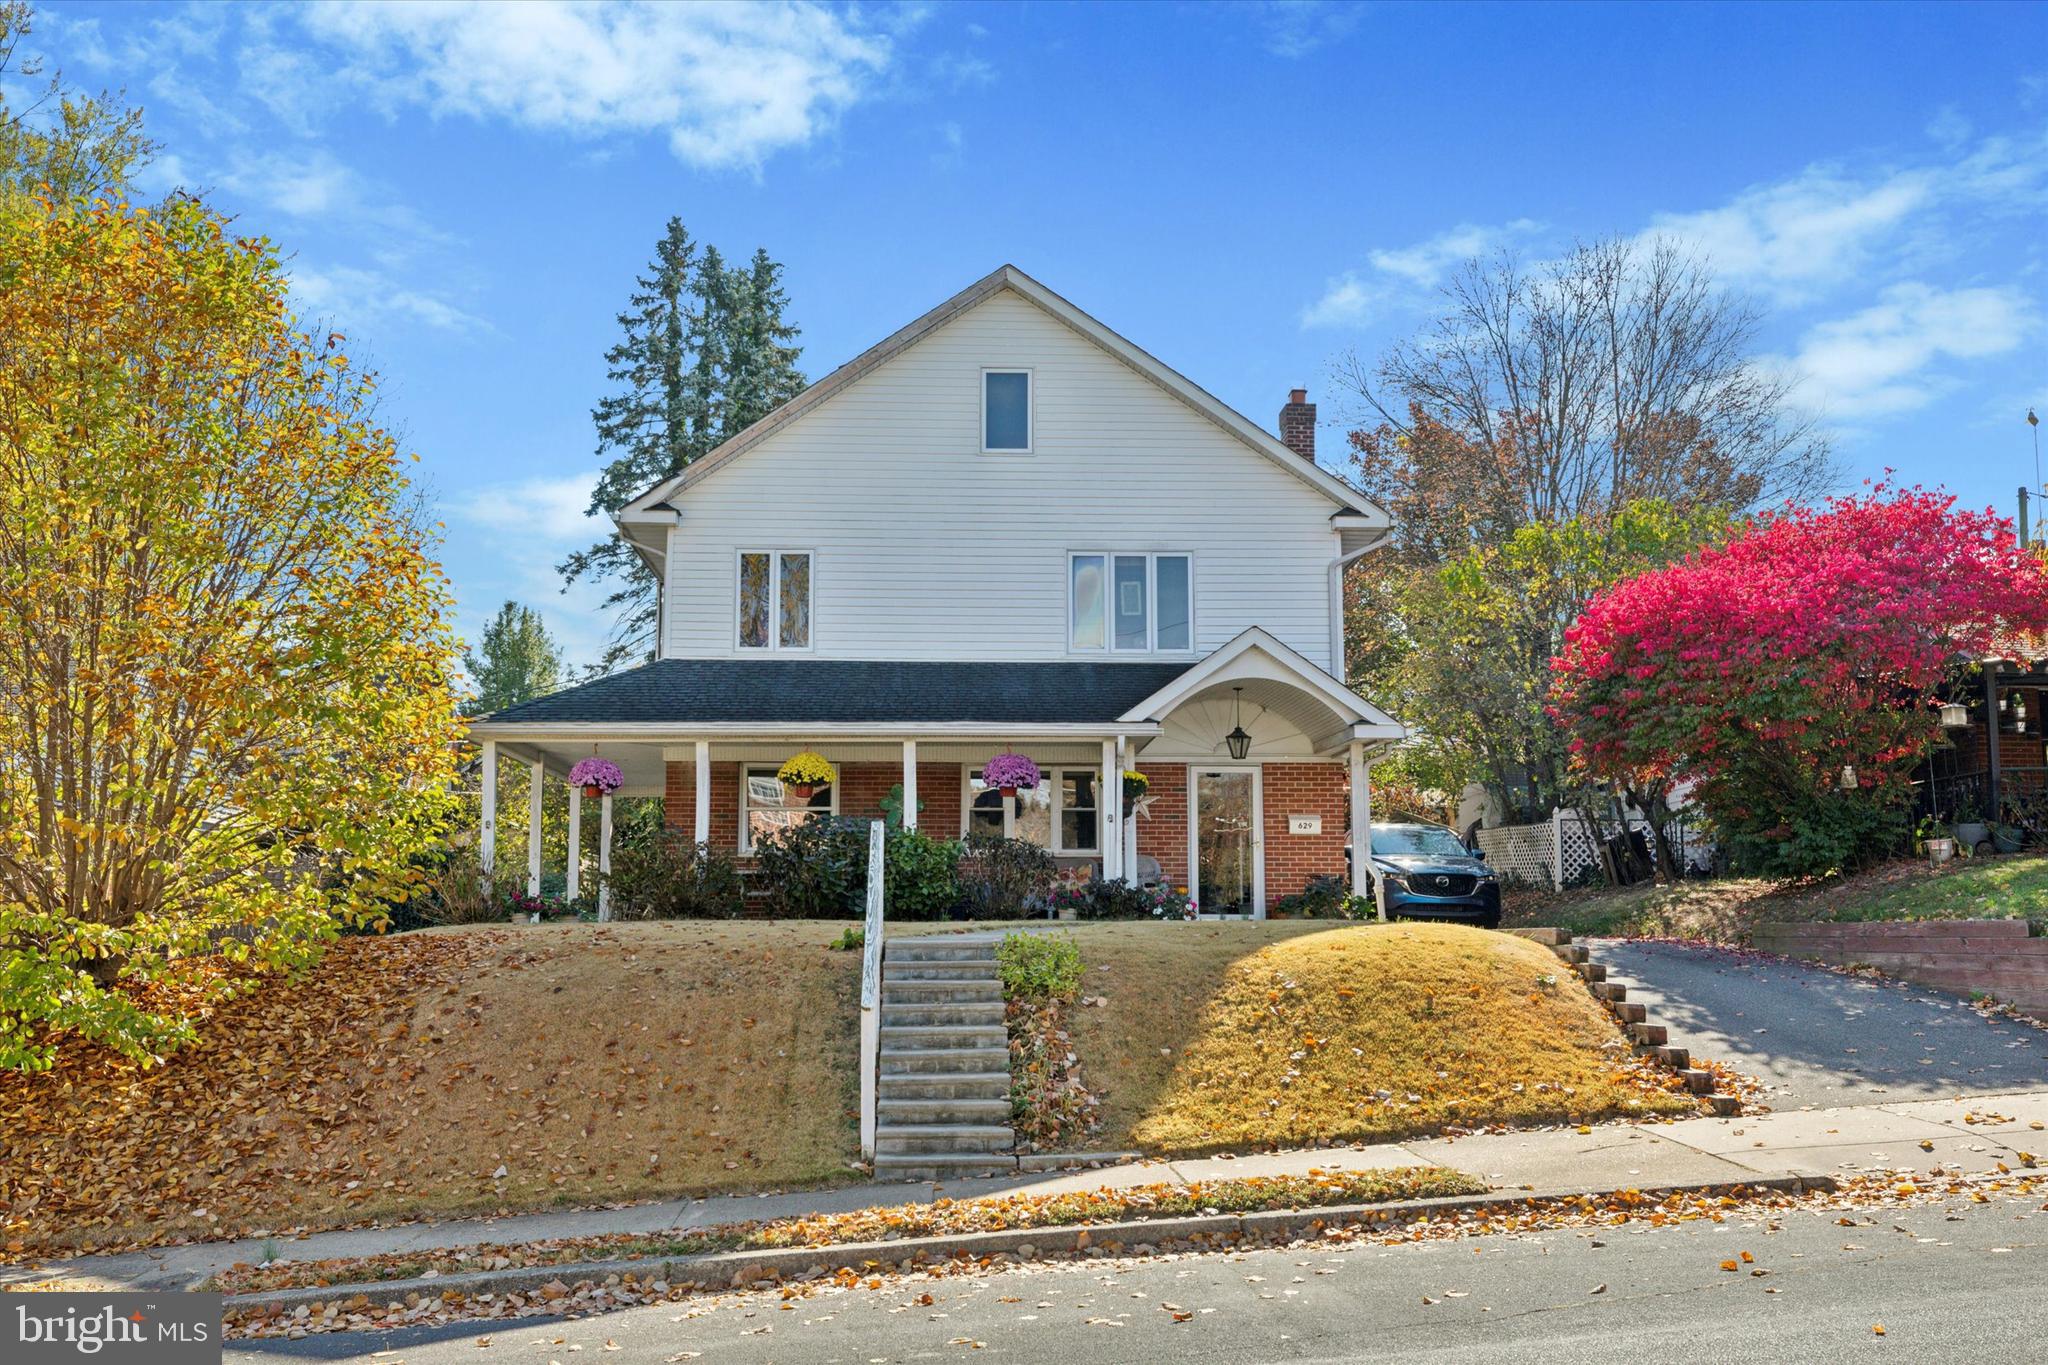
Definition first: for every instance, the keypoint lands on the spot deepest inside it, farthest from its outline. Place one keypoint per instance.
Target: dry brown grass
(1247, 1035)
(591, 1063)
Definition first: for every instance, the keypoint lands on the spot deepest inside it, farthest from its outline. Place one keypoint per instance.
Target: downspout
(1336, 570)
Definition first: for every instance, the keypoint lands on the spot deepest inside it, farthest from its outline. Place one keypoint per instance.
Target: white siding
(927, 549)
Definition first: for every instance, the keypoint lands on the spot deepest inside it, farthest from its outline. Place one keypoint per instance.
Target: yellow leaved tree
(225, 720)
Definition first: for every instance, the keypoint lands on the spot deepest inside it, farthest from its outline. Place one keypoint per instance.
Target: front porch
(1257, 763)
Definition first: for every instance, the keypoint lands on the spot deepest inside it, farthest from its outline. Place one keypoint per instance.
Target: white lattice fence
(1520, 853)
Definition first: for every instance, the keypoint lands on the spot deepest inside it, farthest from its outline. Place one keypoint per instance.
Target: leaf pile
(1050, 1106)
(583, 1298)
(943, 1217)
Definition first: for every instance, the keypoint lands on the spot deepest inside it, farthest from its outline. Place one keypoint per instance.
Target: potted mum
(804, 773)
(1010, 773)
(597, 777)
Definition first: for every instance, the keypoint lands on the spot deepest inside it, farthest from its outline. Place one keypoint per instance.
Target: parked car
(1428, 873)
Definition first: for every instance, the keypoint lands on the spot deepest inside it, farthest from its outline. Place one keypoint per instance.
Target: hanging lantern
(1954, 715)
(1238, 742)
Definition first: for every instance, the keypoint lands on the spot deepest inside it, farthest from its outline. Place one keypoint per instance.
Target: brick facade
(1303, 789)
(1163, 830)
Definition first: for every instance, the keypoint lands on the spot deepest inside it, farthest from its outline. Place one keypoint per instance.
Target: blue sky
(1248, 191)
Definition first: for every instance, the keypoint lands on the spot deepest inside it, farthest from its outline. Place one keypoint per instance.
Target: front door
(1227, 846)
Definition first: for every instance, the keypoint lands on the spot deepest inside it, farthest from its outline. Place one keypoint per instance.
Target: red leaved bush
(1807, 645)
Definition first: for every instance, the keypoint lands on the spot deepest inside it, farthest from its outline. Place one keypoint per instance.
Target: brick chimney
(1298, 425)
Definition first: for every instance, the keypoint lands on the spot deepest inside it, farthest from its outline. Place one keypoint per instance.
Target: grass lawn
(2014, 887)
(1219, 1036)
(455, 1071)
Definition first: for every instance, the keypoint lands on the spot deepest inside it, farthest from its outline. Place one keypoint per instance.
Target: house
(1992, 763)
(1002, 528)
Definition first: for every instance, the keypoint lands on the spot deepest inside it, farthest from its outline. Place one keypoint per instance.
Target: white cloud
(1880, 360)
(549, 511)
(357, 299)
(1949, 127)
(1295, 28)
(728, 83)
(1400, 276)
(1792, 238)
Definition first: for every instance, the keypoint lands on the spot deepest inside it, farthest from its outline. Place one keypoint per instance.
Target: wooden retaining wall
(1993, 957)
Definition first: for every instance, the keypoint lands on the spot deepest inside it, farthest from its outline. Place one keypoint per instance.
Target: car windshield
(1425, 841)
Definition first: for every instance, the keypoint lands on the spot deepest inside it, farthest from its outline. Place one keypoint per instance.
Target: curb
(734, 1269)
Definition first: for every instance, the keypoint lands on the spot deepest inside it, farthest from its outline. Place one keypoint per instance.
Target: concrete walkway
(1975, 1133)
(1821, 1039)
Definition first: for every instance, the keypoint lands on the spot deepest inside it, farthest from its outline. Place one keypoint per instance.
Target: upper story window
(1130, 603)
(775, 599)
(1005, 411)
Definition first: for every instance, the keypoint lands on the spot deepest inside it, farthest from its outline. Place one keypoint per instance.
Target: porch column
(487, 829)
(1112, 827)
(910, 784)
(1127, 828)
(537, 778)
(604, 856)
(1361, 823)
(703, 826)
(575, 886)
(1993, 777)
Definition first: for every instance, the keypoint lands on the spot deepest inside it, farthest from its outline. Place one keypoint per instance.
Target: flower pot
(1972, 833)
(1007, 792)
(1940, 850)
(2007, 838)
(592, 790)
(802, 791)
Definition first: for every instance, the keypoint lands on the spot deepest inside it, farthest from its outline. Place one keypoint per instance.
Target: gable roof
(1351, 504)
(1256, 653)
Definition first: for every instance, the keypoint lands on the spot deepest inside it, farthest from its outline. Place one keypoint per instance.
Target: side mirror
(1480, 854)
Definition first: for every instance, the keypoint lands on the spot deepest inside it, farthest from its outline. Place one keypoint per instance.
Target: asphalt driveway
(1817, 1038)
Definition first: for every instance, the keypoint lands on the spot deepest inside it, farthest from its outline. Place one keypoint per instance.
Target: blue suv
(1427, 873)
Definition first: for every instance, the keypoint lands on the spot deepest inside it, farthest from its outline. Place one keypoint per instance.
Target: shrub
(456, 894)
(1039, 966)
(1004, 878)
(819, 870)
(816, 869)
(669, 877)
(920, 878)
(1326, 898)
(1121, 900)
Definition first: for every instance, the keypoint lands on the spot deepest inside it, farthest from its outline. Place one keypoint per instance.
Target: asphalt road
(1949, 1282)
(1817, 1038)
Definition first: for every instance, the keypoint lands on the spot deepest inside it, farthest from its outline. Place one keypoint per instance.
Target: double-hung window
(1130, 603)
(1061, 813)
(766, 806)
(774, 599)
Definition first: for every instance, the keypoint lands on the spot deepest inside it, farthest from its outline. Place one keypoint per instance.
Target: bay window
(1130, 602)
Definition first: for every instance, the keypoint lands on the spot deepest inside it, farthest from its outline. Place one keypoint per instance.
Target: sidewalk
(1704, 1151)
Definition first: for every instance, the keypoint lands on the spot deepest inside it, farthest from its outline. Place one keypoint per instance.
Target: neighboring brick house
(1003, 528)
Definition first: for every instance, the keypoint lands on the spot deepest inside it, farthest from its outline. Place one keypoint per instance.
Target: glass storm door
(1226, 842)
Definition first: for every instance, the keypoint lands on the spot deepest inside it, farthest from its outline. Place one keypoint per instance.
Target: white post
(1557, 847)
(1110, 808)
(1363, 882)
(487, 831)
(871, 996)
(1127, 828)
(604, 857)
(536, 786)
(703, 828)
(575, 886)
(910, 784)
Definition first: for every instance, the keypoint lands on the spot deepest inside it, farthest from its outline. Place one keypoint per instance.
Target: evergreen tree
(706, 353)
(519, 661)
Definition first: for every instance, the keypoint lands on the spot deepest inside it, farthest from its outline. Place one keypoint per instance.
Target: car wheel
(1490, 920)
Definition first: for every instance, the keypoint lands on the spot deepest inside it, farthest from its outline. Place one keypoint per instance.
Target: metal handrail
(871, 996)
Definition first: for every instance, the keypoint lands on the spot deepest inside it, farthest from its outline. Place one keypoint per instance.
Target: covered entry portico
(1258, 761)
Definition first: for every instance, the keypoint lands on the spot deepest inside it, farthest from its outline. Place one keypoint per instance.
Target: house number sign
(1304, 824)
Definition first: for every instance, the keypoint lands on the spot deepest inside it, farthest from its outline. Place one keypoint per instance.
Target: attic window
(1005, 411)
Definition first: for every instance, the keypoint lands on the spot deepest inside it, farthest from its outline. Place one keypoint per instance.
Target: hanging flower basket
(1136, 784)
(597, 777)
(804, 773)
(1010, 773)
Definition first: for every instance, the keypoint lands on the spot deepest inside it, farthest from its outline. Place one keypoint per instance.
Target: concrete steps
(944, 1090)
